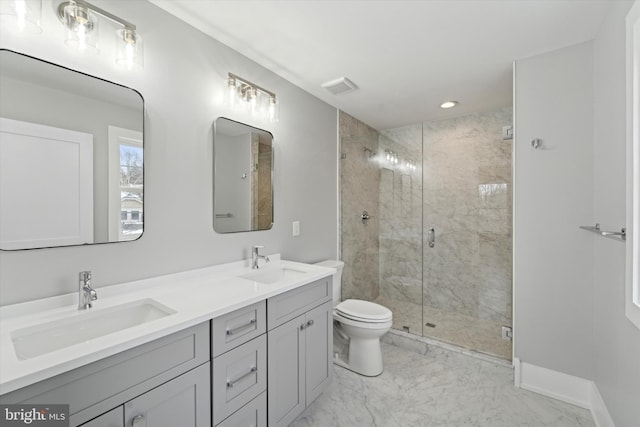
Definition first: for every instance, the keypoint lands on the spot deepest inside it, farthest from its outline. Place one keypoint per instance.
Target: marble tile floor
(480, 335)
(439, 388)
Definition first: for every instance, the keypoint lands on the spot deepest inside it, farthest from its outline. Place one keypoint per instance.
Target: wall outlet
(296, 228)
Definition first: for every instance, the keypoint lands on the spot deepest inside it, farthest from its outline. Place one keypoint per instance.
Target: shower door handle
(431, 237)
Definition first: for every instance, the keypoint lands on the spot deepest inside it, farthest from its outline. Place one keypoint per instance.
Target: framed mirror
(243, 177)
(71, 157)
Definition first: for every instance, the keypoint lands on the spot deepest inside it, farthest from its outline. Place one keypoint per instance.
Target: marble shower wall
(468, 200)
(359, 183)
(400, 204)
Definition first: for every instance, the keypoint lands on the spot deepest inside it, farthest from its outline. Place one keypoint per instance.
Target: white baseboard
(599, 410)
(567, 388)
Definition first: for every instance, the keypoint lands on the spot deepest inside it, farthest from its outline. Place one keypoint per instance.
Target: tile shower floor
(484, 336)
(438, 388)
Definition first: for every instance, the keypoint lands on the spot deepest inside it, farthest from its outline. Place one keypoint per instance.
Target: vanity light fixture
(80, 18)
(410, 165)
(240, 93)
(21, 15)
(448, 104)
(391, 157)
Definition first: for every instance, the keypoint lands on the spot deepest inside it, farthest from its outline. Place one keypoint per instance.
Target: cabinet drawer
(253, 414)
(237, 327)
(291, 304)
(100, 386)
(239, 376)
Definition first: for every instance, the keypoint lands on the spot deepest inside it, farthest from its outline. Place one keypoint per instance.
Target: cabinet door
(184, 402)
(319, 346)
(286, 355)
(113, 418)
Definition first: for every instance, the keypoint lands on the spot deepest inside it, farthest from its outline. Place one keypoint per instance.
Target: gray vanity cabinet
(260, 365)
(299, 350)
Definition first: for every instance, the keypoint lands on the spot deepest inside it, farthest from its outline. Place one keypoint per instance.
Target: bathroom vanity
(266, 336)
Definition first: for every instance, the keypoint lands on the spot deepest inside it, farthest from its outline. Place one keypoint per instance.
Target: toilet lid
(363, 310)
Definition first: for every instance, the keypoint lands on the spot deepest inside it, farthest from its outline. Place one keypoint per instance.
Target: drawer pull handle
(306, 325)
(138, 421)
(230, 384)
(241, 328)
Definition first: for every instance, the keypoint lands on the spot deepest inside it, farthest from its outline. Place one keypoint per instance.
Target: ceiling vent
(340, 86)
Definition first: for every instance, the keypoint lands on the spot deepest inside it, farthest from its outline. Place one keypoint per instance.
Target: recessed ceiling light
(448, 104)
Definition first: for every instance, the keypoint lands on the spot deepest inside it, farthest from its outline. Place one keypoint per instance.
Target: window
(632, 303)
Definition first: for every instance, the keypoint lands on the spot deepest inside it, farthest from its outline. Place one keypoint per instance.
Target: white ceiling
(406, 57)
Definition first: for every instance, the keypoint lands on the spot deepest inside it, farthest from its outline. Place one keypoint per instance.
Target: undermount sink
(273, 275)
(83, 326)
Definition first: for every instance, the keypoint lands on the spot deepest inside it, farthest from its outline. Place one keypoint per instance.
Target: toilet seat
(363, 311)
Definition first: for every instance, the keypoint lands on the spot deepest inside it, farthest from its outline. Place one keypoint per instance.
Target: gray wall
(616, 347)
(182, 84)
(570, 284)
(553, 258)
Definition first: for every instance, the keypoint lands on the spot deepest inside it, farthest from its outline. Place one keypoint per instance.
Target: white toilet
(361, 324)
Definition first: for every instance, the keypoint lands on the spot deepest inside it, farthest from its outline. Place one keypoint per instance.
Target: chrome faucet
(86, 294)
(255, 257)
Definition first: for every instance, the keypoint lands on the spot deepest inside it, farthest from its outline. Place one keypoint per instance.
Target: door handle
(431, 237)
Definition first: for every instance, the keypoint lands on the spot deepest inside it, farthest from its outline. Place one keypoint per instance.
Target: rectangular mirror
(243, 177)
(71, 157)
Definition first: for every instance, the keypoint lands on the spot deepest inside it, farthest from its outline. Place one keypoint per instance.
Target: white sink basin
(83, 326)
(273, 275)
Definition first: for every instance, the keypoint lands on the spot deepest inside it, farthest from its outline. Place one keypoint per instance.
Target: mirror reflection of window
(126, 184)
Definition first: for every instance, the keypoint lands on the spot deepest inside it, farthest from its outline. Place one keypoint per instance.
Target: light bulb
(82, 28)
(22, 16)
(129, 49)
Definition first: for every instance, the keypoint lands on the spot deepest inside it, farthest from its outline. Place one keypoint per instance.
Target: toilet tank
(337, 277)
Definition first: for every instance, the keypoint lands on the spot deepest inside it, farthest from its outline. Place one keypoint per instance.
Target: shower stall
(426, 226)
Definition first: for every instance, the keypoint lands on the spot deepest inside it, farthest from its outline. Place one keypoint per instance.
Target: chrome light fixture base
(81, 20)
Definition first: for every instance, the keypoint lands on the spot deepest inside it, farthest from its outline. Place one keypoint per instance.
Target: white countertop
(195, 296)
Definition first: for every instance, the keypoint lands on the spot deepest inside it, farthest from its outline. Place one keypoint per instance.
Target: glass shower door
(468, 204)
(400, 226)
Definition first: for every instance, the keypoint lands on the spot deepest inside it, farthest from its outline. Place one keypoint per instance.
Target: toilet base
(364, 357)
(339, 362)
